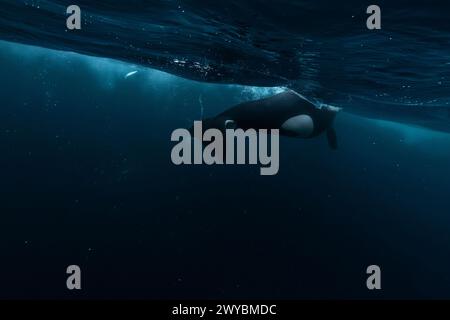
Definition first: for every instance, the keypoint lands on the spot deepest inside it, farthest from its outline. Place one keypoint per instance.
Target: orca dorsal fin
(332, 138)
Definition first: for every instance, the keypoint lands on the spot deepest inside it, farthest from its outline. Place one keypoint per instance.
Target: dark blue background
(86, 178)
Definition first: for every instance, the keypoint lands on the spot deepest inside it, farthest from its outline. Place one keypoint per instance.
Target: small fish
(129, 74)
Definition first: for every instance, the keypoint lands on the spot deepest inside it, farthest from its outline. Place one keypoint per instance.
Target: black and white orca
(289, 112)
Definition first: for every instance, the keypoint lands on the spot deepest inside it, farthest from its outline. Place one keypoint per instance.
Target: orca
(289, 112)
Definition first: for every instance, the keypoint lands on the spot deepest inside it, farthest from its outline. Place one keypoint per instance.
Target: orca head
(328, 114)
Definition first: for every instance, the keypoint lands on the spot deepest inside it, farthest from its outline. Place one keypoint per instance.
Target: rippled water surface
(85, 170)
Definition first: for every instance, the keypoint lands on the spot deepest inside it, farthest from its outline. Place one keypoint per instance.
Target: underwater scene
(94, 173)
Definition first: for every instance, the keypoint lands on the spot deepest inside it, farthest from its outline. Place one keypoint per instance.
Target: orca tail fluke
(332, 138)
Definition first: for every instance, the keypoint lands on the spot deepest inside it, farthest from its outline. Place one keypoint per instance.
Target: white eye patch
(301, 125)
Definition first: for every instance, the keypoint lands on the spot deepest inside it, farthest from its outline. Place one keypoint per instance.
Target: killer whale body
(288, 111)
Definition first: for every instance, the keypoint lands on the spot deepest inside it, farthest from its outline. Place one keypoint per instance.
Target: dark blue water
(86, 176)
(320, 48)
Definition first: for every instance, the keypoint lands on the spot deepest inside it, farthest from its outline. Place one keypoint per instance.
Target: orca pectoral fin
(332, 138)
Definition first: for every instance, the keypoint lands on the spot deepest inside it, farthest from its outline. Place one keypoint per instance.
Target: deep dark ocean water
(86, 176)
(87, 179)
